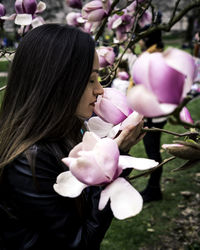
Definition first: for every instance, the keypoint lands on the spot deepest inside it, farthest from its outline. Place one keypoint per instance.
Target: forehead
(96, 61)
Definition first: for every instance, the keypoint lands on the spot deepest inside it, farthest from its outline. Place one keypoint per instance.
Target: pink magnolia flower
(121, 25)
(162, 81)
(145, 19)
(105, 129)
(75, 19)
(114, 114)
(96, 161)
(95, 10)
(26, 13)
(123, 75)
(106, 56)
(185, 115)
(74, 3)
(112, 106)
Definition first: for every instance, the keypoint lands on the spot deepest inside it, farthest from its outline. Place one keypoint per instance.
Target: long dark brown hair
(48, 76)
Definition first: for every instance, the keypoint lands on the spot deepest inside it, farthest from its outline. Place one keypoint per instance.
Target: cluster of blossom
(95, 11)
(26, 14)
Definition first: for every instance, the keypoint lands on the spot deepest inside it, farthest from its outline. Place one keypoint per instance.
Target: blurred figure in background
(152, 192)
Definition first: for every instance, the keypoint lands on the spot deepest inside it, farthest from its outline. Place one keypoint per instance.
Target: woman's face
(93, 89)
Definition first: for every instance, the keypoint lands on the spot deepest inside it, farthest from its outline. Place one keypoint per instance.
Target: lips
(93, 103)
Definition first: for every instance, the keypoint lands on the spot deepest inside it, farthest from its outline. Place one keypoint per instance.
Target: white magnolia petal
(167, 108)
(174, 58)
(89, 140)
(11, 17)
(133, 119)
(37, 22)
(117, 23)
(145, 102)
(126, 161)
(113, 132)
(41, 7)
(187, 86)
(98, 126)
(67, 185)
(125, 199)
(23, 19)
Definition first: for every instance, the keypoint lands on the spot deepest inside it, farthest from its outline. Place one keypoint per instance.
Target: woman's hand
(130, 136)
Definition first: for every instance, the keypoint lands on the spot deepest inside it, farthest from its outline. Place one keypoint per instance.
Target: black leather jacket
(34, 217)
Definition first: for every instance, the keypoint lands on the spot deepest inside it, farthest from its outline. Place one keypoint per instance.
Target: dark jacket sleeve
(54, 221)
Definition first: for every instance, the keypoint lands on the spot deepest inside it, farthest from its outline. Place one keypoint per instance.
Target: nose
(99, 89)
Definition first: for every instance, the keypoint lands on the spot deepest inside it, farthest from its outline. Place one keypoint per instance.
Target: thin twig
(153, 129)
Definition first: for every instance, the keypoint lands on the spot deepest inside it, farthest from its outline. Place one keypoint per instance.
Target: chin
(85, 116)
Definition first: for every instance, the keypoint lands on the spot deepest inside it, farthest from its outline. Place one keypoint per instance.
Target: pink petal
(118, 99)
(175, 58)
(19, 7)
(125, 199)
(136, 163)
(89, 141)
(166, 83)
(185, 115)
(106, 154)
(67, 185)
(110, 57)
(145, 102)
(108, 111)
(30, 6)
(133, 119)
(96, 15)
(87, 144)
(23, 19)
(140, 70)
(93, 5)
(123, 75)
(86, 169)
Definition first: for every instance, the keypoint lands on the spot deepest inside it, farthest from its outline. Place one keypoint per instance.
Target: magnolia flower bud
(187, 152)
(106, 56)
(94, 11)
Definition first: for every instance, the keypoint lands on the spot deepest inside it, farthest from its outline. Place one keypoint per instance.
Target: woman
(52, 88)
